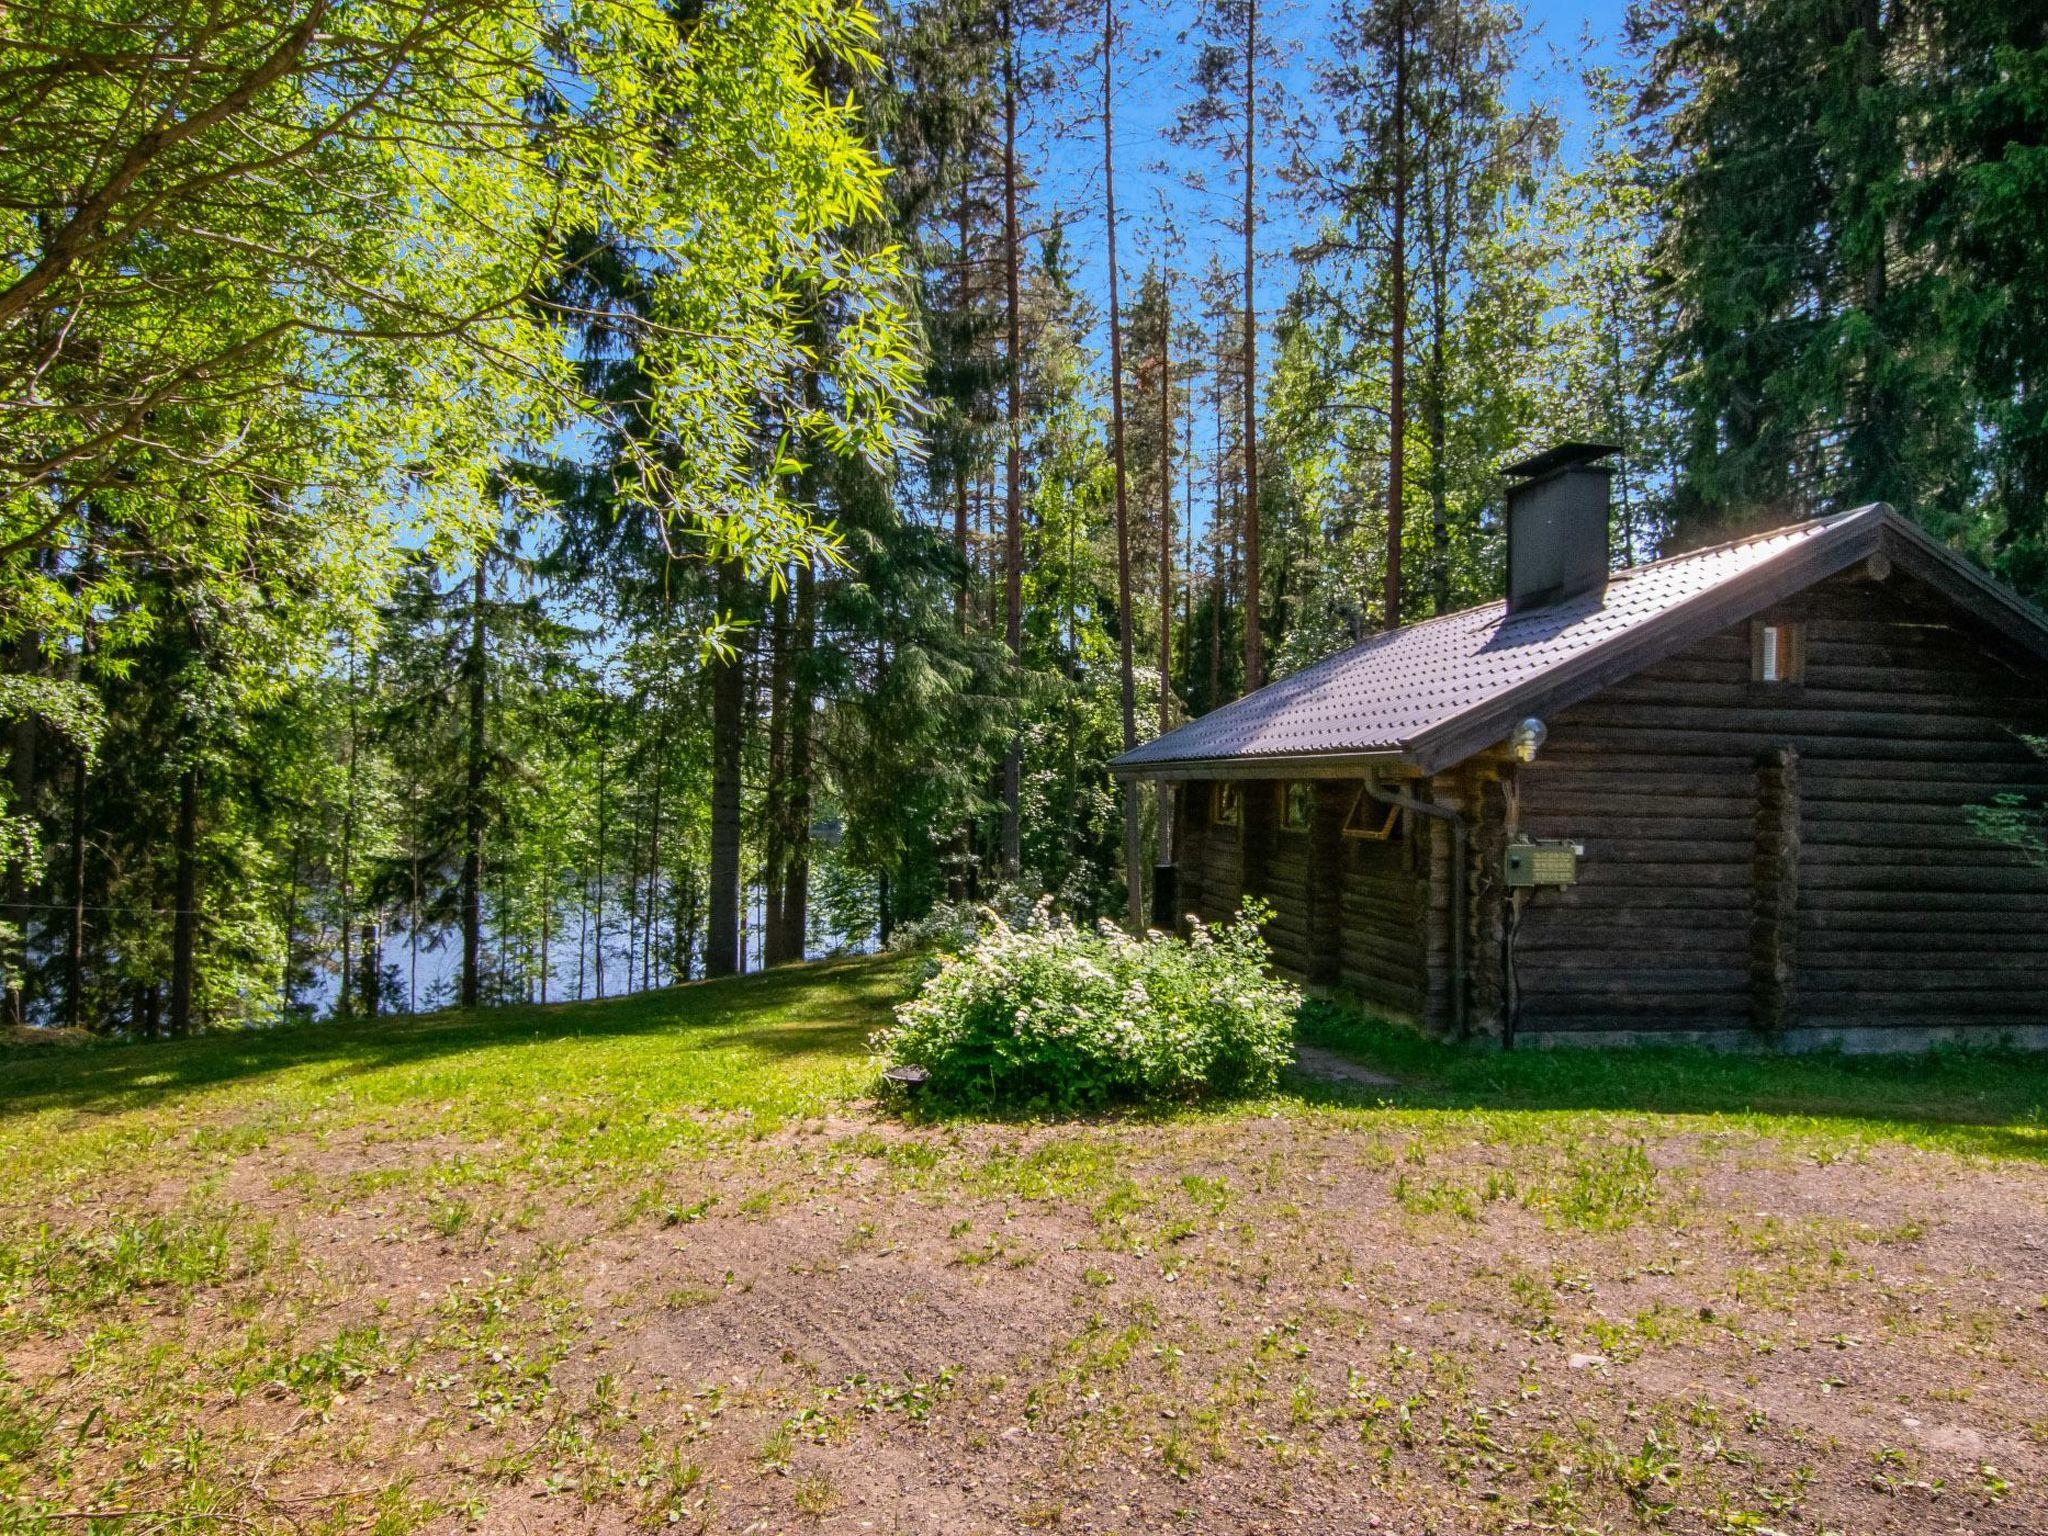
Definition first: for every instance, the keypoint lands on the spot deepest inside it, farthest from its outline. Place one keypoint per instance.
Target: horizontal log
(1918, 933)
(1727, 941)
(1383, 990)
(1706, 742)
(1979, 965)
(1927, 842)
(1823, 816)
(1853, 902)
(1567, 1010)
(1648, 831)
(1938, 695)
(1400, 908)
(1601, 974)
(1393, 956)
(1832, 671)
(1914, 880)
(1549, 805)
(1890, 995)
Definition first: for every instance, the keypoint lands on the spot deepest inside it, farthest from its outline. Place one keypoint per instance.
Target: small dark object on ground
(908, 1078)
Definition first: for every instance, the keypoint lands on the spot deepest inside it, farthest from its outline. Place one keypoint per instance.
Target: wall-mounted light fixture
(1527, 739)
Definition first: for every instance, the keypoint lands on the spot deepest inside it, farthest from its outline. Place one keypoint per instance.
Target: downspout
(1459, 1005)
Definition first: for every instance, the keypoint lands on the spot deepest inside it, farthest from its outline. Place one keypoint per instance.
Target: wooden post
(1191, 809)
(1774, 922)
(1493, 819)
(1326, 882)
(1255, 829)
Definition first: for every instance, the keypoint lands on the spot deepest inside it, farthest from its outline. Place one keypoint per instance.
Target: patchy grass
(658, 1262)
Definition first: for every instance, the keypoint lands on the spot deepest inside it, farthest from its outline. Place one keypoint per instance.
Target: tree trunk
(1254, 636)
(348, 846)
(1397, 404)
(604, 724)
(372, 970)
(686, 922)
(1439, 428)
(1217, 463)
(185, 919)
(1126, 610)
(1013, 495)
(961, 597)
(796, 876)
(74, 948)
(291, 929)
(473, 801)
(728, 723)
(1187, 548)
(412, 938)
(654, 851)
(582, 936)
(23, 739)
(1166, 532)
(774, 826)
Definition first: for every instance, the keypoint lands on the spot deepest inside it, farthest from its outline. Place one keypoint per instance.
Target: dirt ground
(1319, 1319)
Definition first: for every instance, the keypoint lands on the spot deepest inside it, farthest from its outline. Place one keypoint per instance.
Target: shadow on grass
(1988, 1101)
(826, 1008)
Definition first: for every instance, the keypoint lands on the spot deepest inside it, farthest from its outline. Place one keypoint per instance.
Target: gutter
(1460, 1006)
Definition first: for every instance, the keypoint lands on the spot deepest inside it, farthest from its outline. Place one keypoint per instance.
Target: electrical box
(1544, 863)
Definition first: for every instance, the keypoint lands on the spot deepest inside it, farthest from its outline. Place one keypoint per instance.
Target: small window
(1372, 821)
(1226, 805)
(1778, 652)
(1297, 806)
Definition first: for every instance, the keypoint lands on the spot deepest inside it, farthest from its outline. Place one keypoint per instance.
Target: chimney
(1557, 524)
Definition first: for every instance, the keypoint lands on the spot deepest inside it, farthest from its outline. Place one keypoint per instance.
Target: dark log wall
(1706, 800)
(1345, 909)
(1211, 857)
(1386, 946)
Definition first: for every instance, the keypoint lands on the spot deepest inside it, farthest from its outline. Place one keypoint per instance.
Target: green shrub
(1045, 1013)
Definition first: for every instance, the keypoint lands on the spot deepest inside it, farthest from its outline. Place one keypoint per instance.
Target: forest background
(507, 501)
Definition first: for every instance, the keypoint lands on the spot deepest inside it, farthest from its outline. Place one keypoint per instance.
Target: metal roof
(1434, 692)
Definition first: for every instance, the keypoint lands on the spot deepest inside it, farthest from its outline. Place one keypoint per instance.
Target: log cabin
(1726, 797)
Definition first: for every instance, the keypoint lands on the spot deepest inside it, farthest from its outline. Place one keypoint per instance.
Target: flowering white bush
(1044, 1012)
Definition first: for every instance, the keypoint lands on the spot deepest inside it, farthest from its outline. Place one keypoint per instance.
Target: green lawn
(1993, 1103)
(579, 1080)
(662, 1261)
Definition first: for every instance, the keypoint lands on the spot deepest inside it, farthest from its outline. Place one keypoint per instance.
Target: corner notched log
(1774, 924)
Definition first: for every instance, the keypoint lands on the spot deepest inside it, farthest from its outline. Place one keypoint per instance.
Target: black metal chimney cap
(1559, 456)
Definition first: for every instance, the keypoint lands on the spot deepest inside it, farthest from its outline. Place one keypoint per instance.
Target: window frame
(1286, 798)
(1361, 827)
(1790, 658)
(1226, 804)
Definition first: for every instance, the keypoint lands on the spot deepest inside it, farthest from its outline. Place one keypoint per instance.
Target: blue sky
(1063, 147)
(1154, 83)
